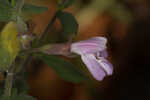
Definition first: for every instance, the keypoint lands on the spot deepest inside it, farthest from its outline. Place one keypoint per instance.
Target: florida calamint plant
(18, 46)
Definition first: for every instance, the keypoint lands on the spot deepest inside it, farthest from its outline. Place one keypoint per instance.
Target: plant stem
(14, 69)
(8, 84)
(45, 34)
(9, 80)
(13, 2)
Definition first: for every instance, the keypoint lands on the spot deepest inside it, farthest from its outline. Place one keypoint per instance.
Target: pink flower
(93, 54)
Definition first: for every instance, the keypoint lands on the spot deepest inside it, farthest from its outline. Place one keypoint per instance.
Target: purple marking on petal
(91, 45)
(93, 66)
(103, 53)
(106, 65)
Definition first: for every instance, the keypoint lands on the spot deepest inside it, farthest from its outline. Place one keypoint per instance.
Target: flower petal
(103, 53)
(93, 66)
(106, 65)
(91, 45)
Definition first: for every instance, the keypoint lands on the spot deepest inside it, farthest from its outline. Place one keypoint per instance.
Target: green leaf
(29, 8)
(9, 45)
(5, 59)
(5, 10)
(69, 23)
(66, 70)
(65, 3)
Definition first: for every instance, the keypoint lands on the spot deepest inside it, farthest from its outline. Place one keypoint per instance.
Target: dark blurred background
(126, 24)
